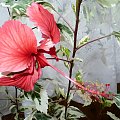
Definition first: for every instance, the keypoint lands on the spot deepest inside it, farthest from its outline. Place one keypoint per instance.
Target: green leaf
(67, 65)
(107, 103)
(44, 101)
(85, 97)
(107, 3)
(46, 4)
(74, 113)
(116, 100)
(62, 92)
(112, 116)
(30, 116)
(78, 77)
(117, 35)
(35, 93)
(63, 51)
(83, 41)
(64, 28)
(55, 109)
(41, 116)
(87, 13)
(74, 9)
(66, 52)
(13, 109)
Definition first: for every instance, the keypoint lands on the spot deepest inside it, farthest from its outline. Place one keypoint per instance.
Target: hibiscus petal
(46, 45)
(42, 61)
(17, 44)
(24, 80)
(45, 21)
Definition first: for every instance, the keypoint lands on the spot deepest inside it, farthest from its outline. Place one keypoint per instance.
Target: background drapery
(101, 59)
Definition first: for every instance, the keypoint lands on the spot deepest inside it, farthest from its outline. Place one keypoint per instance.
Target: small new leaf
(83, 41)
(78, 77)
(64, 51)
(74, 9)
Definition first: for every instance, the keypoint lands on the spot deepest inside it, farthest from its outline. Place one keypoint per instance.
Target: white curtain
(100, 59)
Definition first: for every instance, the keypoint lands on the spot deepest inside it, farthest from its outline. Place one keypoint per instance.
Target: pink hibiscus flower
(45, 21)
(20, 58)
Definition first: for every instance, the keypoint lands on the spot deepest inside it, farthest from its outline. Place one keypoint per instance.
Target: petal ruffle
(45, 21)
(46, 45)
(23, 80)
(17, 44)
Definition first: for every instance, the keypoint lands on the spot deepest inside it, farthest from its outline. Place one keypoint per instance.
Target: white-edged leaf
(85, 97)
(84, 40)
(44, 101)
(117, 100)
(62, 92)
(30, 116)
(37, 104)
(107, 3)
(75, 113)
(112, 116)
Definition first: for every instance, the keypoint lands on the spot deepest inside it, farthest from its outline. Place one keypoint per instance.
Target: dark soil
(94, 111)
(11, 116)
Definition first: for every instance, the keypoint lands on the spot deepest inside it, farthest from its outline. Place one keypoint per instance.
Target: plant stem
(94, 41)
(59, 59)
(74, 51)
(8, 11)
(16, 95)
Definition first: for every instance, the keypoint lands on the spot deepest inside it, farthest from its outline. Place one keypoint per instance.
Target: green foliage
(35, 93)
(41, 116)
(107, 3)
(30, 116)
(117, 100)
(18, 8)
(39, 101)
(117, 35)
(59, 92)
(112, 116)
(65, 51)
(74, 9)
(106, 103)
(83, 41)
(45, 4)
(13, 109)
(74, 113)
(58, 111)
(64, 28)
(85, 97)
(87, 13)
(78, 77)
